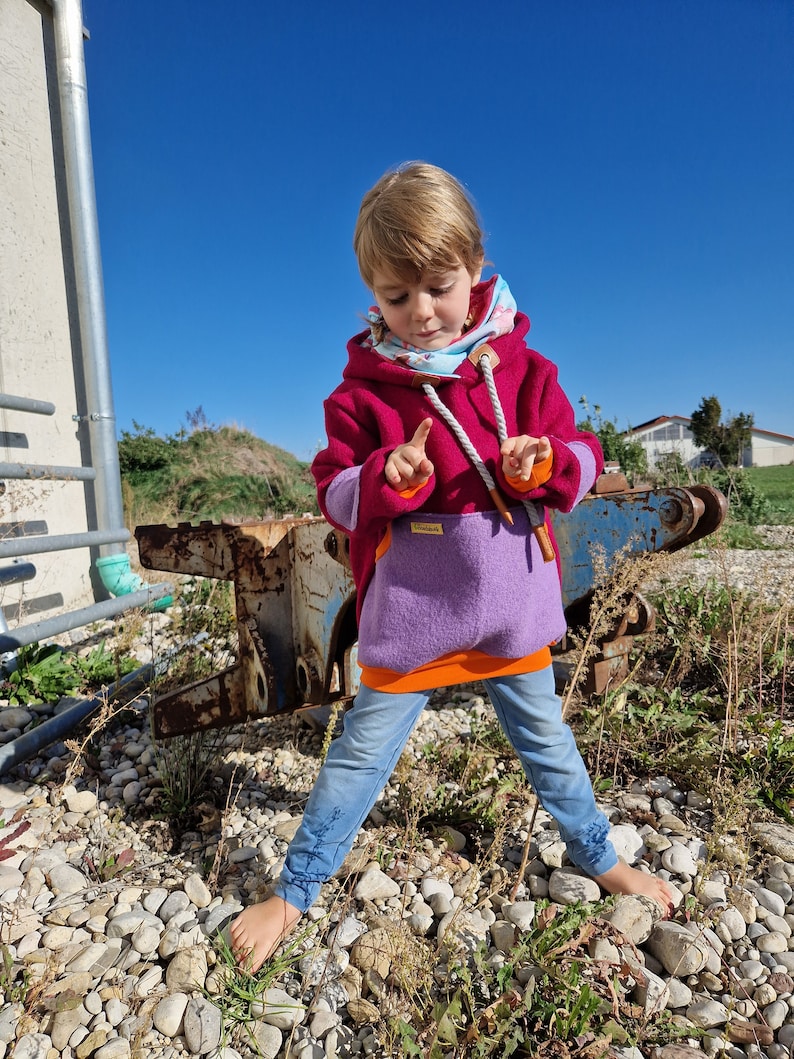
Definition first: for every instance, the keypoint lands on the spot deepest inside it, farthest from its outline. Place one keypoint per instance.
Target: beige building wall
(38, 327)
(771, 450)
(673, 435)
(664, 439)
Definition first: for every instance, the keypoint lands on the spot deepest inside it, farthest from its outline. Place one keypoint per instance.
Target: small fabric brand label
(434, 528)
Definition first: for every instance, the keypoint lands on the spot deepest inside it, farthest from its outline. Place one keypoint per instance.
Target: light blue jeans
(362, 758)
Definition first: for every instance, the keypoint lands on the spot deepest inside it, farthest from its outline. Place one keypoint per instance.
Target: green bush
(210, 473)
(747, 501)
(45, 673)
(143, 452)
(616, 446)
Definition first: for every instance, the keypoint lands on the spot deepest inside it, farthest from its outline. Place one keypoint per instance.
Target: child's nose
(423, 306)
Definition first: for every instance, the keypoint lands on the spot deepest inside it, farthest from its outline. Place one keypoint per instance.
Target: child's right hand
(520, 454)
(408, 466)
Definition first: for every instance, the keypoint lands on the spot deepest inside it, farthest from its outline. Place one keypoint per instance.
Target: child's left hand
(520, 454)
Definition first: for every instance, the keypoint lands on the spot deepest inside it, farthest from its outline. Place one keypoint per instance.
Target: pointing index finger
(421, 433)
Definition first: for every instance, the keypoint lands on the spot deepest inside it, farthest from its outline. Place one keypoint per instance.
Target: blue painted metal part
(619, 523)
(607, 525)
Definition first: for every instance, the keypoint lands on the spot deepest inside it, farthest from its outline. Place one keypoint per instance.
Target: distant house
(671, 434)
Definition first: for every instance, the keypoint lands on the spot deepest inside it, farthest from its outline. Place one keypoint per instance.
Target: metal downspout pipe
(99, 411)
(113, 564)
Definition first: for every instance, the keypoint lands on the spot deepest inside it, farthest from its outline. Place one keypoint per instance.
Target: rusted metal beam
(295, 599)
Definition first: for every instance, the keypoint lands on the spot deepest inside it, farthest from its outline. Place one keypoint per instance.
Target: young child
(446, 440)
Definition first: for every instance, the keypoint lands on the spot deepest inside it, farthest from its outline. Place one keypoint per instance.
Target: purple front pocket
(452, 583)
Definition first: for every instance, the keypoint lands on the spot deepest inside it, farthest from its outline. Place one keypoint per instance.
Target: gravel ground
(112, 913)
(769, 571)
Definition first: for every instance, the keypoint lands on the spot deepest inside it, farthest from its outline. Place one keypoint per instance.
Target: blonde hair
(417, 218)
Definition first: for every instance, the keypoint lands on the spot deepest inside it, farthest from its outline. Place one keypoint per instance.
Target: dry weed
(108, 709)
(618, 580)
(728, 841)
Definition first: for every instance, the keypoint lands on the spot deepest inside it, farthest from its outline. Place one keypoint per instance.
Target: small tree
(143, 451)
(628, 452)
(727, 439)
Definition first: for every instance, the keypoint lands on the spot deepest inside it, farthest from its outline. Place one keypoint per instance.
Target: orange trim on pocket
(384, 544)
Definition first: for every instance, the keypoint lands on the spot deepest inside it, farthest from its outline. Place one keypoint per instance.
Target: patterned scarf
(497, 319)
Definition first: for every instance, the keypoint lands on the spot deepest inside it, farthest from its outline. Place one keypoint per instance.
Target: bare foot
(623, 879)
(258, 930)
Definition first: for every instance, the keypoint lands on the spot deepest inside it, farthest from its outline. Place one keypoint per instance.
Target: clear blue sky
(632, 160)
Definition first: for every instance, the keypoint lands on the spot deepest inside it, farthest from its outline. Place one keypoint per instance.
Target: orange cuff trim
(408, 494)
(541, 472)
(459, 667)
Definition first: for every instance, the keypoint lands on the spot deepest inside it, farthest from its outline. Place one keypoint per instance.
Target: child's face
(429, 314)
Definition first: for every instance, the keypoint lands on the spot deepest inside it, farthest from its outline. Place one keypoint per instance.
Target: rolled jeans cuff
(300, 895)
(591, 849)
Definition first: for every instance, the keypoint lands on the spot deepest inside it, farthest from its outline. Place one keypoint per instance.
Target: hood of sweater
(365, 363)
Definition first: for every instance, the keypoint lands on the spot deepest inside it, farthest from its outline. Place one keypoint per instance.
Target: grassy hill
(211, 473)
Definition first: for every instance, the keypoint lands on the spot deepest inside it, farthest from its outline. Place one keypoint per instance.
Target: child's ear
(475, 276)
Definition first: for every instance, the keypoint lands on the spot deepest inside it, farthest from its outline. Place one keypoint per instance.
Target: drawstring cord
(534, 511)
(469, 449)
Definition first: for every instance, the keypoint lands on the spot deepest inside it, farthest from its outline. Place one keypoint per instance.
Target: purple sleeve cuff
(342, 497)
(589, 469)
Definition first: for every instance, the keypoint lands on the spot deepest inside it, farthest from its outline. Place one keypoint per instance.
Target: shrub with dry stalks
(709, 691)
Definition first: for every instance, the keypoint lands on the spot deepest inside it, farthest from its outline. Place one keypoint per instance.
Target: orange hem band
(459, 667)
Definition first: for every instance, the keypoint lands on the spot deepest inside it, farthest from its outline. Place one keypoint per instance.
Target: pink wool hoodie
(439, 573)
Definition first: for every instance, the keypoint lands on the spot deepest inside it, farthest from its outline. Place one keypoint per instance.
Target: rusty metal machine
(295, 597)
(619, 520)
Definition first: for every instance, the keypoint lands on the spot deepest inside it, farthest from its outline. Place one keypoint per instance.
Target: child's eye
(396, 301)
(438, 291)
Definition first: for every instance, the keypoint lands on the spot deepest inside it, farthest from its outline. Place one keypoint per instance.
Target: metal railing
(22, 546)
(40, 471)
